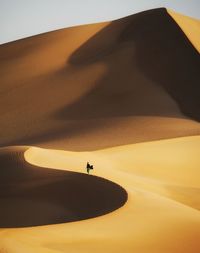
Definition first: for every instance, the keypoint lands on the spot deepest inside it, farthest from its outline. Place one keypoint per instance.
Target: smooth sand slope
(89, 83)
(120, 92)
(190, 27)
(161, 214)
(32, 196)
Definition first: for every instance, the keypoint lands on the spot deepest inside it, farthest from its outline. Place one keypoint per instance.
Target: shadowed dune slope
(32, 196)
(75, 88)
(190, 26)
(161, 214)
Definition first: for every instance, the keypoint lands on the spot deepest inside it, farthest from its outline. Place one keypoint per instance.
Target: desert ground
(123, 96)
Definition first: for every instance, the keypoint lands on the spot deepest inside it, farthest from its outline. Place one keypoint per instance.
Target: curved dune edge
(136, 159)
(34, 196)
(162, 181)
(190, 26)
(156, 176)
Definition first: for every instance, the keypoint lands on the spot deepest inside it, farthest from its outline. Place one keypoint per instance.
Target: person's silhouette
(89, 167)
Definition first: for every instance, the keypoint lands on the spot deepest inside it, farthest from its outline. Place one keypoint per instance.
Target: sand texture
(124, 96)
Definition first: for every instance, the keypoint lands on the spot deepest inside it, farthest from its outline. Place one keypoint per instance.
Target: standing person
(89, 167)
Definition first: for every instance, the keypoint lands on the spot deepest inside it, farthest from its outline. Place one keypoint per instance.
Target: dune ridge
(31, 196)
(162, 208)
(190, 26)
(114, 75)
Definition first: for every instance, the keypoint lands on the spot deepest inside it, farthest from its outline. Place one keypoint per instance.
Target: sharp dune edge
(53, 196)
(115, 94)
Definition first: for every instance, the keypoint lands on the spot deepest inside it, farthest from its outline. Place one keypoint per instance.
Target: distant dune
(122, 95)
(75, 88)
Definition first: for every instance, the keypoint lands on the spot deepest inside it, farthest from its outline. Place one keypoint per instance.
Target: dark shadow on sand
(34, 196)
(157, 57)
(157, 49)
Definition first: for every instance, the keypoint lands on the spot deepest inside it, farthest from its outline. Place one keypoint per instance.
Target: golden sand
(136, 150)
(162, 212)
(190, 26)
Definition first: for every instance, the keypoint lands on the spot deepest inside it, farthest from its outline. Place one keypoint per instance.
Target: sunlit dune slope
(85, 84)
(190, 26)
(167, 165)
(161, 214)
(32, 196)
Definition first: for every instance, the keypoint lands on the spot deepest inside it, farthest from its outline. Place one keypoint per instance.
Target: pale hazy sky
(23, 18)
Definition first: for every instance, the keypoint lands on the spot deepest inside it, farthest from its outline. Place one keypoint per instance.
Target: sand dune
(69, 87)
(190, 27)
(148, 162)
(32, 196)
(161, 214)
(120, 93)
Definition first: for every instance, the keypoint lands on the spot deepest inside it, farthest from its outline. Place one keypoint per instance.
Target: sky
(24, 18)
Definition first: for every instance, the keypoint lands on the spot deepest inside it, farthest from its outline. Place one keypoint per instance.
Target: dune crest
(31, 196)
(65, 88)
(162, 208)
(190, 26)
